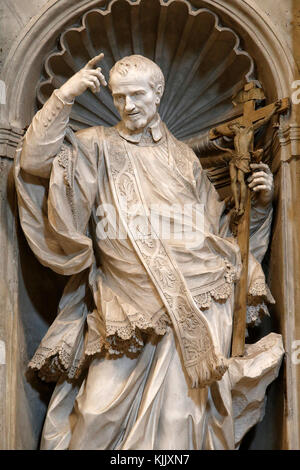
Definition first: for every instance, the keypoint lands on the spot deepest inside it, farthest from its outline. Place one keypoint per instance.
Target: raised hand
(261, 181)
(87, 77)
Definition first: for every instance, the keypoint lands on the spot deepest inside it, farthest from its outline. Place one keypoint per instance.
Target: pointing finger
(91, 63)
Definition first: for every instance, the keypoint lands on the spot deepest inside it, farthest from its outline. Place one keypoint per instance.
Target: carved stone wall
(15, 15)
(30, 31)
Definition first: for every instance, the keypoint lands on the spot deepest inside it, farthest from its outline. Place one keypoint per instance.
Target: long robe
(113, 349)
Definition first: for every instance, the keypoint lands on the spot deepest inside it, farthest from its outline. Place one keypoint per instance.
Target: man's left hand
(261, 181)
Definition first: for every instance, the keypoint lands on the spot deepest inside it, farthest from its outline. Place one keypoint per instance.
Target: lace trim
(95, 347)
(203, 363)
(127, 340)
(259, 291)
(221, 293)
(119, 347)
(140, 323)
(53, 363)
(255, 313)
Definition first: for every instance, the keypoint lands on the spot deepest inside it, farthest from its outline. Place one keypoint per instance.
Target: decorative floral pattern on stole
(203, 363)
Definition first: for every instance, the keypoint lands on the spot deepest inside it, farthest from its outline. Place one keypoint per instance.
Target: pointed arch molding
(246, 31)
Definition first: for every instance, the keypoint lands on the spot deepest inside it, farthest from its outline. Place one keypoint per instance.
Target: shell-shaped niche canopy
(202, 61)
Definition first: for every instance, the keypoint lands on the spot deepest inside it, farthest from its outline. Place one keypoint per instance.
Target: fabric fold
(58, 233)
(203, 362)
(54, 234)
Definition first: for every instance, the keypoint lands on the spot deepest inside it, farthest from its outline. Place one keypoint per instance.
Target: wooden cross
(242, 131)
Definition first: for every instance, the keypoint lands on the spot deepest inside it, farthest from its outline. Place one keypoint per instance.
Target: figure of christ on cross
(239, 165)
(242, 131)
(144, 322)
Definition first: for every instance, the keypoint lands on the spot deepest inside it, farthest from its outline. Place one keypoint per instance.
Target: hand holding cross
(242, 131)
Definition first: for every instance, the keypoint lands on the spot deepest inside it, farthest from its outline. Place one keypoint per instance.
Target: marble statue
(243, 156)
(141, 343)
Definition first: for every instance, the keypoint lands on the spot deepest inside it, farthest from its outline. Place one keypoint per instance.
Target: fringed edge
(207, 370)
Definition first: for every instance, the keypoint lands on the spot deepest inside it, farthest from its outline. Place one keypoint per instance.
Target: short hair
(140, 64)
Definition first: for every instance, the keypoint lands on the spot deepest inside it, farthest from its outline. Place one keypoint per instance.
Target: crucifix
(242, 131)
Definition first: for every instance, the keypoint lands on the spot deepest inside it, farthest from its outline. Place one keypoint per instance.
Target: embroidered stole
(203, 363)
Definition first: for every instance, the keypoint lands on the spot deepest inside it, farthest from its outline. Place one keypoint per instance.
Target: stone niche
(207, 49)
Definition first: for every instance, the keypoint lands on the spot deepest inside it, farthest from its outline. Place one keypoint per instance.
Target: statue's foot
(241, 212)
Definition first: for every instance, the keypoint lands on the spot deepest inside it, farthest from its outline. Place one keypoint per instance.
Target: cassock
(147, 311)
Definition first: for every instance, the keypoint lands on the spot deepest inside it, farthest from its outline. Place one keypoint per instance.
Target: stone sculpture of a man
(140, 345)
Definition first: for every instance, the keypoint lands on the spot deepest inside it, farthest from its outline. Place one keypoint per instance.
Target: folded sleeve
(45, 136)
(54, 212)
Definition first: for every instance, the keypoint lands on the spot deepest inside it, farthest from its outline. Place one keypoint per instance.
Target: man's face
(135, 99)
